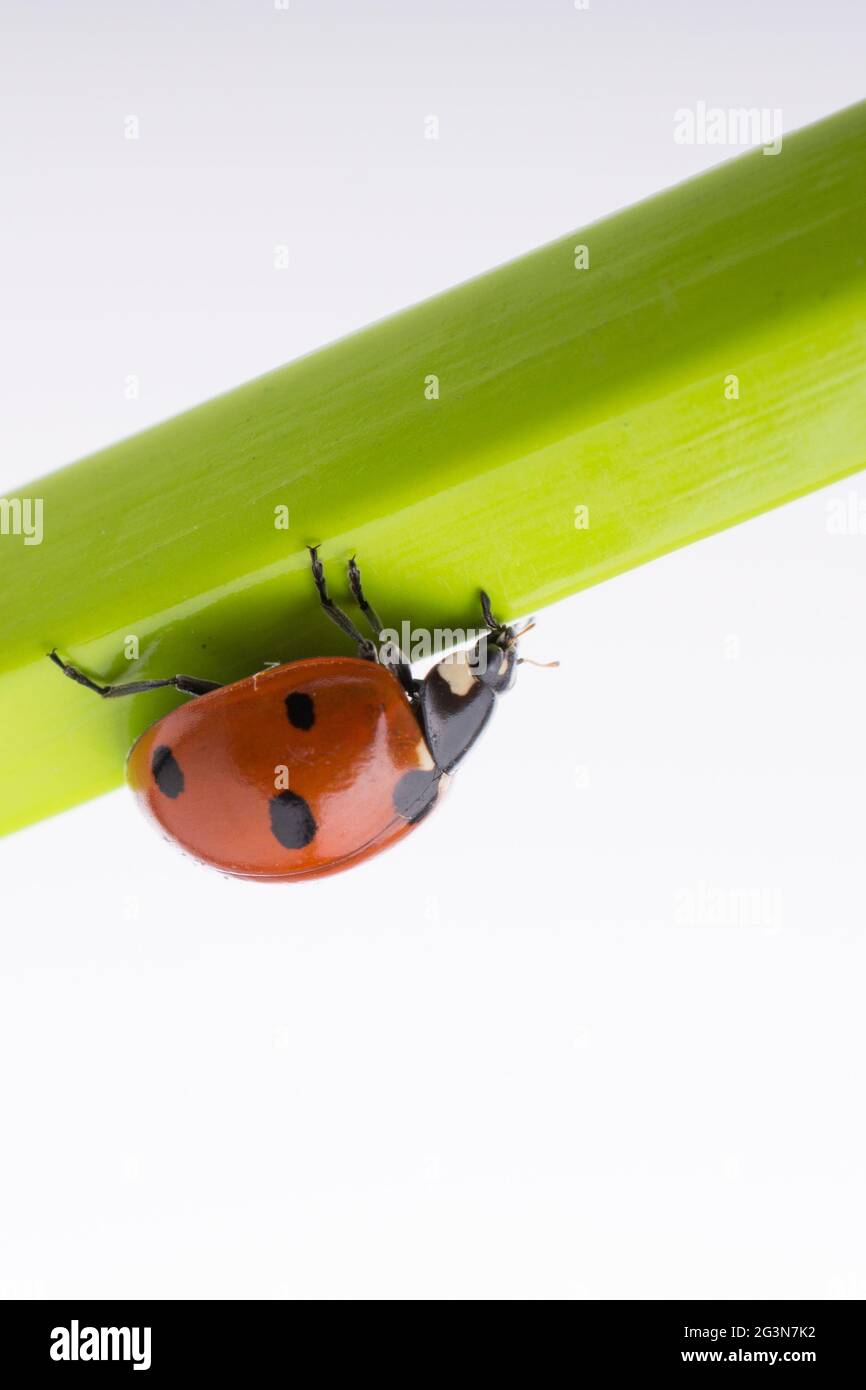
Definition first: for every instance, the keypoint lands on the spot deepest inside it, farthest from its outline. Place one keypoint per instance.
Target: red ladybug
(308, 768)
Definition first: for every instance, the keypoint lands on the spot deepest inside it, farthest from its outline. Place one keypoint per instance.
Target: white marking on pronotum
(457, 673)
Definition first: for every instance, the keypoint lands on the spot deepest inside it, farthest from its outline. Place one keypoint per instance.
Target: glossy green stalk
(536, 430)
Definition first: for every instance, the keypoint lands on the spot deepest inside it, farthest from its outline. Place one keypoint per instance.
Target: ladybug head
(458, 694)
(494, 657)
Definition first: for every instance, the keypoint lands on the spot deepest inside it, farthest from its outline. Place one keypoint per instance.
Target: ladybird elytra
(308, 768)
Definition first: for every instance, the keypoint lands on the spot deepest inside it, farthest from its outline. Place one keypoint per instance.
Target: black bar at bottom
(240, 1341)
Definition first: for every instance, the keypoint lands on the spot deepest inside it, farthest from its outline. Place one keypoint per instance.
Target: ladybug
(308, 768)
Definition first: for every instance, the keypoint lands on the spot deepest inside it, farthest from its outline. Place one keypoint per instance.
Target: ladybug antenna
(544, 665)
(501, 633)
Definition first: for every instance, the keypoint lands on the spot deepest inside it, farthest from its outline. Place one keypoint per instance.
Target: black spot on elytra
(299, 707)
(166, 772)
(415, 794)
(292, 821)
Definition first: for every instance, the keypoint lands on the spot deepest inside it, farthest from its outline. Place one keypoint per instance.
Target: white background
(597, 1028)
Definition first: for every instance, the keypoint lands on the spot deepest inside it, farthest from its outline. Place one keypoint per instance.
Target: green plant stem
(559, 389)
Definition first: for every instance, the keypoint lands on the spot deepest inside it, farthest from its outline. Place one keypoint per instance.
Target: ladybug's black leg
(360, 598)
(397, 663)
(190, 685)
(489, 620)
(366, 648)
